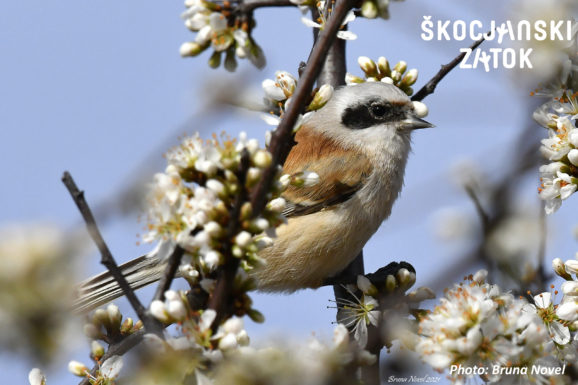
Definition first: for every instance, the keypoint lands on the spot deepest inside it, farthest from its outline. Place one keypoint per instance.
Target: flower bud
(91, 331)
(230, 61)
(420, 109)
(367, 65)
(321, 97)
(177, 310)
(256, 316)
(352, 79)
(369, 9)
(395, 76)
(191, 48)
(383, 66)
(215, 186)
(215, 60)
(126, 326)
(365, 285)
(262, 158)
(400, 67)
(410, 78)
(310, 178)
(100, 317)
(157, 309)
(77, 368)
(573, 137)
(213, 229)
(212, 259)
(277, 205)
(560, 269)
(36, 377)
(96, 349)
(390, 283)
(243, 239)
(114, 316)
(228, 342)
(573, 156)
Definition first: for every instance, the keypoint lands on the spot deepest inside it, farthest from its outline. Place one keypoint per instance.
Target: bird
(358, 144)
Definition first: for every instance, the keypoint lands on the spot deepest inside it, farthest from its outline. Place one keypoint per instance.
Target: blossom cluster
(478, 325)
(559, 178)
(568, 309)
(382, 71)
(36, 261)
(278, 93)
(208, 355)
(217, 27)
(323, 16)
(190, 204)
(363, 308)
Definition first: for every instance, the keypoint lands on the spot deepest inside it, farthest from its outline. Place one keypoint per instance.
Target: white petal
(310, 23)
(570, 287)
(543, 300)
(207, 319)
(346, 35)
(218, 22)
(568, 311)
(349, 17)
(270, 119)
(36, 377)
(360, 334)
(561, 334)
(272, 90)
(111, 367)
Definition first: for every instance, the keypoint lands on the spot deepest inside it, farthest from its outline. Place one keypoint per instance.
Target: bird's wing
(342, 172)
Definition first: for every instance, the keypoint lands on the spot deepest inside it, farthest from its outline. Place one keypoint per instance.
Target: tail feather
(103, 288)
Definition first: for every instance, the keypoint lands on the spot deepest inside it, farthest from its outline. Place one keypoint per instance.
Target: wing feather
(342, 172)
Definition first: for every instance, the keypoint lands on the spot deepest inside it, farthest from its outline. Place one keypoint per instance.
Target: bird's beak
(414, 123)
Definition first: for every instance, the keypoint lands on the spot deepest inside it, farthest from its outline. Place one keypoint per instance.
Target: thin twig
(117, 349)
(151, 325)
(430, 86)
(484, 218)
(251, 5)
(281, 142)
(169, 274)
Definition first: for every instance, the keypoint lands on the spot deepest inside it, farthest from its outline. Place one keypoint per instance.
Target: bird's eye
(378, 109)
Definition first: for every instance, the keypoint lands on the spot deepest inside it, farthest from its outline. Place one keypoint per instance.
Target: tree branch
(281, 140)
(248, 6)
(430, 86)
(117, 349)
(169, 274)
(151, 324)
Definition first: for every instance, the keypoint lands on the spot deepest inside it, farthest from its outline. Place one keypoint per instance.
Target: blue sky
(99, 89)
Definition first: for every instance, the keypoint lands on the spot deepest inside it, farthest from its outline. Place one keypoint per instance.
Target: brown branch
(430, 86)
(151, 324)
(117, 349)
(169, 274)
(248, 6)
(281, 142)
